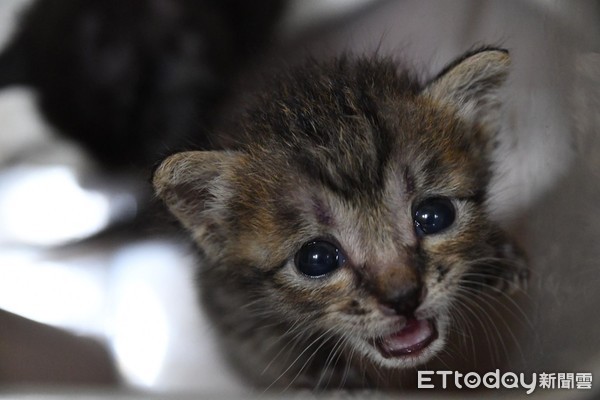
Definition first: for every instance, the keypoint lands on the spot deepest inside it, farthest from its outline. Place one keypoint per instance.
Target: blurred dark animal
(133, 80)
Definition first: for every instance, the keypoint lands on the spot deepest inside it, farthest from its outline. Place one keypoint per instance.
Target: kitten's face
(355, 214)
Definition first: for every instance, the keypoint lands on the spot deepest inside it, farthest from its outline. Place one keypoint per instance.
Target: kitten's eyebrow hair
(322, 212)
(479, 196)
(409, 180)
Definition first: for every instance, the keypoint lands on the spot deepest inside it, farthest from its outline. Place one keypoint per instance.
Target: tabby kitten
(349, 218)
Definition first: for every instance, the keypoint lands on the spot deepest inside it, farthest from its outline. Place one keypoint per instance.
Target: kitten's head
(354, 206)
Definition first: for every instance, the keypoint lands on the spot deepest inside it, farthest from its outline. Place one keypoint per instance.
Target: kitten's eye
(433, 215)
(318, 258)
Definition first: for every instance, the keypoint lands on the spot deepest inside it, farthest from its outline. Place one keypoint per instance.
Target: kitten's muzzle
(415, 334)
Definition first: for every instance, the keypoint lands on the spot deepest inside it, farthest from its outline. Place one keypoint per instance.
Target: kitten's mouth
(409, 341)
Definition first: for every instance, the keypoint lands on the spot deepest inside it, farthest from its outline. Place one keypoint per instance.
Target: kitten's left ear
(194, 185)
(470, 84)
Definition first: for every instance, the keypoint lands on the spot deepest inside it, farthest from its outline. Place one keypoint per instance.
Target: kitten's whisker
(521, 313)
(309, 359)
(292, 328)
(496, 263)
(493, 350)
(484, 312)
(343, 342)
(470, 277)
(316, 340)
(498, 332)
(347, 369)
(348, 360)
(506, 325)
(336, 349)
(458, 313)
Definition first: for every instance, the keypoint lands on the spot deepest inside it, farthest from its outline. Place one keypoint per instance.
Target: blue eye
(318, 258)
(433, 215)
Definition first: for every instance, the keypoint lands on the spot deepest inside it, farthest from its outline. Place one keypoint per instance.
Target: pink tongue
(414, 336)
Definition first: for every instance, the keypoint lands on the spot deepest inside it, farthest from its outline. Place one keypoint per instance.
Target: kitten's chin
(417, 342)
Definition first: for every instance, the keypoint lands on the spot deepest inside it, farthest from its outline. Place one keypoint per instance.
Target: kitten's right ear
(194, 185)
(470, 85)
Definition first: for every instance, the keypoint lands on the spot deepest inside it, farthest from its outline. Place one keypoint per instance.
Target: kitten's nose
(404, 301)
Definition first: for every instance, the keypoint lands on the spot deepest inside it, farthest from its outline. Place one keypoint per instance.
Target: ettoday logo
(508, 380)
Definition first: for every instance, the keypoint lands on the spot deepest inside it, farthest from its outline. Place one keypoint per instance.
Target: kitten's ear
(470, 84)
(194, 185)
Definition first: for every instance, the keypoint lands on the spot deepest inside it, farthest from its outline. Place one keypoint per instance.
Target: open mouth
(409, 341)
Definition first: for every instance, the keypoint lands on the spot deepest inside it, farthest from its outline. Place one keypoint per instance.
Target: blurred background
(127, 301)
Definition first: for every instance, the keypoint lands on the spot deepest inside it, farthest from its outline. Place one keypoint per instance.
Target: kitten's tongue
(414, 336)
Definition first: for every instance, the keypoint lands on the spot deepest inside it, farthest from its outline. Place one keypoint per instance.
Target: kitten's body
(344, 153)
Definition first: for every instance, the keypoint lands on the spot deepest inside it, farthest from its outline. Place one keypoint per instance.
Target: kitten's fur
(345, 150)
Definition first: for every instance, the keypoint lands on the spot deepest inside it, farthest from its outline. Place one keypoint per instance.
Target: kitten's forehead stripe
(381, 137)
(322, 212)
(409, 180)
(331, 115)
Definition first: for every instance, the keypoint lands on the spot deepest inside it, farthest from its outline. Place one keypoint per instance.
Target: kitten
(133, 80)
(349, 221)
